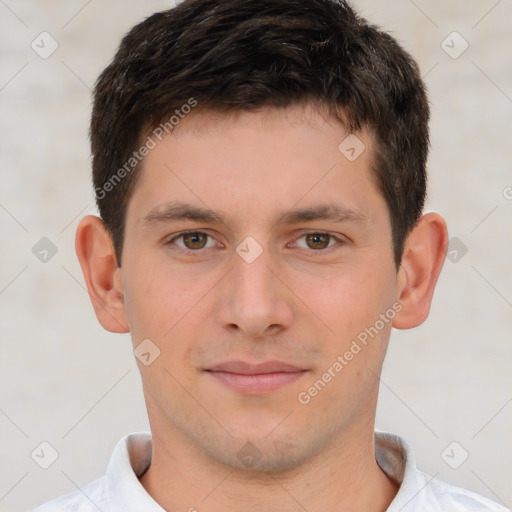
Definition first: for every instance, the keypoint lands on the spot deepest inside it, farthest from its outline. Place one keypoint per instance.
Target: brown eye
(318, 240)
(195, 240)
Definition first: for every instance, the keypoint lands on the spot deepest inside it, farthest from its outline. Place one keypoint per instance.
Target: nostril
(273, 327)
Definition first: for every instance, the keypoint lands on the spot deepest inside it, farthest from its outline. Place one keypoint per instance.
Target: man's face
(290, 260)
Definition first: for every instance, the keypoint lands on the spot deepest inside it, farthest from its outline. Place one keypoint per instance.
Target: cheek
(163, 304)
(347, 300)
(352, 306)
(149, 300)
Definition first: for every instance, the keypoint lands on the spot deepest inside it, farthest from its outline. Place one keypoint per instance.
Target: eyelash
(339, 242)
(327, 249)
(183, 250)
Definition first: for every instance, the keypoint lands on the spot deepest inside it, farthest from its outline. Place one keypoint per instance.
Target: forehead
(264, 161)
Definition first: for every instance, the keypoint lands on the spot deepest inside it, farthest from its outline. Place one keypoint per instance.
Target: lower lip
(261, 383)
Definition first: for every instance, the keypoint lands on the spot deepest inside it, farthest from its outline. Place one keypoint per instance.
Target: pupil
(195, 240)
(317, 240)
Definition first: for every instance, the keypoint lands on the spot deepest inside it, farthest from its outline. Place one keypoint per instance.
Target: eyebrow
(179, 211)
(170, 212)
(329, 212)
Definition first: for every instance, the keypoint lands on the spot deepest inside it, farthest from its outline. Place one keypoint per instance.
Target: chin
(265, 455)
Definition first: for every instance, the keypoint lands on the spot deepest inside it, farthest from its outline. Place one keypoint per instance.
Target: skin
(293, 303)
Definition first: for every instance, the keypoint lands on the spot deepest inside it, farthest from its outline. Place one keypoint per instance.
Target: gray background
(67, 382)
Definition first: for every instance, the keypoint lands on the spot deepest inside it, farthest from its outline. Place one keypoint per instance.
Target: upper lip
(243, 368)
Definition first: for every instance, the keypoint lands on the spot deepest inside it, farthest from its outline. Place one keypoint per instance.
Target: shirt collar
(132, 457)
(396, 459)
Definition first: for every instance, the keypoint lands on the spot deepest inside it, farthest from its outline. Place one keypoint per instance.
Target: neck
(344, 476)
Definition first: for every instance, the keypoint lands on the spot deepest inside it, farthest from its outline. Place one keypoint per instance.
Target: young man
(259, 168)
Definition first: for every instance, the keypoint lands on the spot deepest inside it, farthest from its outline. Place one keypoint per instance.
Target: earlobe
(422, 261)
(95, 252)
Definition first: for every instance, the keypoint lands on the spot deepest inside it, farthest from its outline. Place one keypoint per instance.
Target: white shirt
(120, 490)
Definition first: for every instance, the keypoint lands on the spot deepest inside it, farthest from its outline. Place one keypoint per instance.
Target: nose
(254, 301)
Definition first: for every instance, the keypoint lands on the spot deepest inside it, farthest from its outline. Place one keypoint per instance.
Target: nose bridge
(256, 299)
(254, 279)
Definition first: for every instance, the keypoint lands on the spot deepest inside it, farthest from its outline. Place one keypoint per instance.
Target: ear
(422, 261)
(96, 254)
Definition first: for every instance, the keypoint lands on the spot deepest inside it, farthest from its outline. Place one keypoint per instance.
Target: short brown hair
(230, 55)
